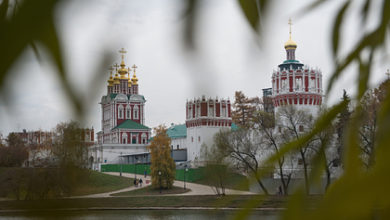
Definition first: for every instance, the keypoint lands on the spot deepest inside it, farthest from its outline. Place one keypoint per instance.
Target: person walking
(140, 182)
(145, 173)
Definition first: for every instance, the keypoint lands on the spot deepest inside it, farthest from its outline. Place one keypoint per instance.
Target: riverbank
(145, 202)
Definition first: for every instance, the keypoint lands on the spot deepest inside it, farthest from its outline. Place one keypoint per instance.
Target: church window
(224, 111)
(128, 112)
(134, 139)
(211, 110)
(135, 112)
(198, 138)
(120, 112)
(177, 147)
(124, 138)
(192, 139)
(143, 138)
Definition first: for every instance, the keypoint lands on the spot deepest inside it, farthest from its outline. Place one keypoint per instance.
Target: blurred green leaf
(365, 11)
(3, 9)
(253, 11)
(337, 26)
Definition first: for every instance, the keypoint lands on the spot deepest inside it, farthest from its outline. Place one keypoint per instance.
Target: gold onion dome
(290, 44)
(123, 71)
(116, 79)
(110, 80)
(128, 74)
(134, 79)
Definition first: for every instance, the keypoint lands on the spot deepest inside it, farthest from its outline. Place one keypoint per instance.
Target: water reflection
(137, 214)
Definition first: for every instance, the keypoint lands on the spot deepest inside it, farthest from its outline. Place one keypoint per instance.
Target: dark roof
(294, 64)
(177, 131)
(113, 95)
(130, 124)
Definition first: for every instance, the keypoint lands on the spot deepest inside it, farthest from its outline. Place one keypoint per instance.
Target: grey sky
(228, 57)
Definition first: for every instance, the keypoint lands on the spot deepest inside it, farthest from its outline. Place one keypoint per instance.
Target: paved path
(196, 189)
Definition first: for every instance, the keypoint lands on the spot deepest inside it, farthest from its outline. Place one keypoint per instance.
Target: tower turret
(296, 84)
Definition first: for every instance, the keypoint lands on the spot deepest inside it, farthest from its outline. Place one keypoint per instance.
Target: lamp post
(185, 171)
(120, 174)
(159, 178)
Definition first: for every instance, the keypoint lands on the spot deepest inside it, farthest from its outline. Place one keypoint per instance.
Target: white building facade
(205, 118)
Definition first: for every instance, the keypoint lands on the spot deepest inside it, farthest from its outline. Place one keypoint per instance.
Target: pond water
(137, 214)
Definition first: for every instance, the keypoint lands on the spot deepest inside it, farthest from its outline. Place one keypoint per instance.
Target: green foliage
(162, 165)
(69, 148)
(359, 193)
(14, 153)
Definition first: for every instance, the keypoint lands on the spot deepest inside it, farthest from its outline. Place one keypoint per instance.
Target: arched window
(120, 112)
(136, 112)
(128, 112)
(124, 138)
(143, 138)
(134, 139)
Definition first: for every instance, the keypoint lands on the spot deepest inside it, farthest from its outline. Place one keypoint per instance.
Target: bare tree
(216, 168)
(265, 123)
(292, 125)
(243, 147)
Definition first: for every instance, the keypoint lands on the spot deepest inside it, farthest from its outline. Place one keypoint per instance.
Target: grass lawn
(100, 182)
(149, 191)
(234, 181)
(15, 182)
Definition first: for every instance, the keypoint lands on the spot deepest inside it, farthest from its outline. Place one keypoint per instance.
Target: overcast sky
(229, 57)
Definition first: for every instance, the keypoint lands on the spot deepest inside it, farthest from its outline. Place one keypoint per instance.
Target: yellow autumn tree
(162, 165)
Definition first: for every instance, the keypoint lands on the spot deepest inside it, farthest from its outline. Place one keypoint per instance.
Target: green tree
(69, 148)
(15, 153)
(162, 165)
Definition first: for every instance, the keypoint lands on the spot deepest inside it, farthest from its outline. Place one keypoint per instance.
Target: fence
(191, 175)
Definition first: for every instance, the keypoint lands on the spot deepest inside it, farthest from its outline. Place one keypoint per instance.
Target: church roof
(177, 131)
(113, 95)
(130, 124)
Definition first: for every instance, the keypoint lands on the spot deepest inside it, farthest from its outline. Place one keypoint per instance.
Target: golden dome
(116, 79)
(129, 80)
(134, 80)
(110, 81)
(290, 44)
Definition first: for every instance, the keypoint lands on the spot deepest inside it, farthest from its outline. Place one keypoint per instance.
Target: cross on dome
(123, 51)
(116, 66)
(134, 67)
(290, 23)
